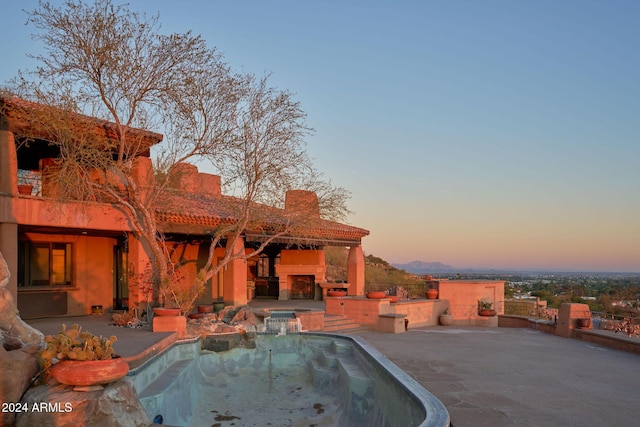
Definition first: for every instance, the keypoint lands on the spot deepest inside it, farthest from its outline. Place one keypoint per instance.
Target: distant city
(438, 268)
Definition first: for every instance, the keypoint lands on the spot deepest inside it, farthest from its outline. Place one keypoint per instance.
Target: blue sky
(493, 134)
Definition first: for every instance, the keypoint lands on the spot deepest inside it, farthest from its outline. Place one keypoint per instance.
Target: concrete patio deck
(484, 376)
(518, 377)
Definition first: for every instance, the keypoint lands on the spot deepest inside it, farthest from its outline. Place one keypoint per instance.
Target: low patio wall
(609, 339)
(367, 312)
(567, 327)
(512, 321)
(311, 320)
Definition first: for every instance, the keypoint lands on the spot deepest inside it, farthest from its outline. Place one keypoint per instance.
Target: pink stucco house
(67, 257)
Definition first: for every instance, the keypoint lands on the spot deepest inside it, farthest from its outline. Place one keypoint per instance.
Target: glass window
(263, 266)
(44, 264)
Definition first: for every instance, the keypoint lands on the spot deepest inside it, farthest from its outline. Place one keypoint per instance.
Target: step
(327, 359)
(165, 379)
(358, 389)
(323, 376)
(339, 323)
(343, 348)
(344, 329)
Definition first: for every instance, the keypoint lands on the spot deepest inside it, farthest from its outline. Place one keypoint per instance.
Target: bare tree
(107, 62)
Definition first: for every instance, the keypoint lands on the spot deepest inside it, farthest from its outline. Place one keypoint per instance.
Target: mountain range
(422, 267)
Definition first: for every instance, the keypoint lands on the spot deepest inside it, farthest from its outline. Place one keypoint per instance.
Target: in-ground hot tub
(294, 380)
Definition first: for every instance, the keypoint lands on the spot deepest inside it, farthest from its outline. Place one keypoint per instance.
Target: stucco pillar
(355, 271)
(139, 263)
(9, 186)
(9, 249)
(8, 161)
(568, 316)
(235, 276)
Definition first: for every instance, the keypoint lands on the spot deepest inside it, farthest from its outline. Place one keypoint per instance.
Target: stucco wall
(92, 272)
(419, 312)
(46, 212)
(305, 257)
(463, 296)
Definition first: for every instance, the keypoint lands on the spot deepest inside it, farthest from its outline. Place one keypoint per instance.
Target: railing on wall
(628, 325)
(530, 308)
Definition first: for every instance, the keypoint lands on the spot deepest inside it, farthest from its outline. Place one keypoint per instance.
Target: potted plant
(445, 318)
(81, 359)
(584, 323)
(432, 292)
(25, 189)
(485, 308)
(145, 283)
(376, 295)
(337, 293)
(218, 305)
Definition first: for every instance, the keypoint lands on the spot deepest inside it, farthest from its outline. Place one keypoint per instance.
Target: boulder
(19, 344)
(22, 366)
(117, 405)
(11, 325)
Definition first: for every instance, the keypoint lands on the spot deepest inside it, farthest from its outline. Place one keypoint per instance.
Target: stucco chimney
(184, 177)
(208, 184)
(302, 201)
(142, 172)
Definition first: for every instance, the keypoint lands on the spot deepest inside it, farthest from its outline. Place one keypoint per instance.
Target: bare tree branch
(106, 66)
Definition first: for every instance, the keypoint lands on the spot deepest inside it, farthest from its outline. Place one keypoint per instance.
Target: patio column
(9, 186)
(139, 263)
(235, 276)
(9, 160)
(355, 271)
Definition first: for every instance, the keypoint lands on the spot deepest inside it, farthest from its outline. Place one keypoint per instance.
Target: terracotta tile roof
(211, 211)
(22, 117)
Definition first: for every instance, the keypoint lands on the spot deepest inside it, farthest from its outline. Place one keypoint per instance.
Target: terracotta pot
(25, 189)
(584, 323)
(445, 319)
(161, 311)
(208, 308)
(90, 372)
(486, 313)
(432, 293)
(336, 293)
(393, 298)
(376, 295)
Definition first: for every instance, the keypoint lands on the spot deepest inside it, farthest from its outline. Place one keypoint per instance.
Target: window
(264, 268)
(44, 264)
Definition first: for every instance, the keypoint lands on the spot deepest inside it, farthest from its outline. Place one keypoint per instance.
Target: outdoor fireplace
(302, 286)
(300, 281)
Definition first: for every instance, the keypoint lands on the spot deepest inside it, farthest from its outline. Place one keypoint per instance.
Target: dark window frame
(51, 266)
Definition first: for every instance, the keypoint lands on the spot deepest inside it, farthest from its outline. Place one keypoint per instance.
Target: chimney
(185, 177)
(302, 201)
(208, 184)
(142, 172)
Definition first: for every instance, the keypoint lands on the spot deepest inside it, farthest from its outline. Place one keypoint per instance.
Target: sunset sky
(486, 134)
